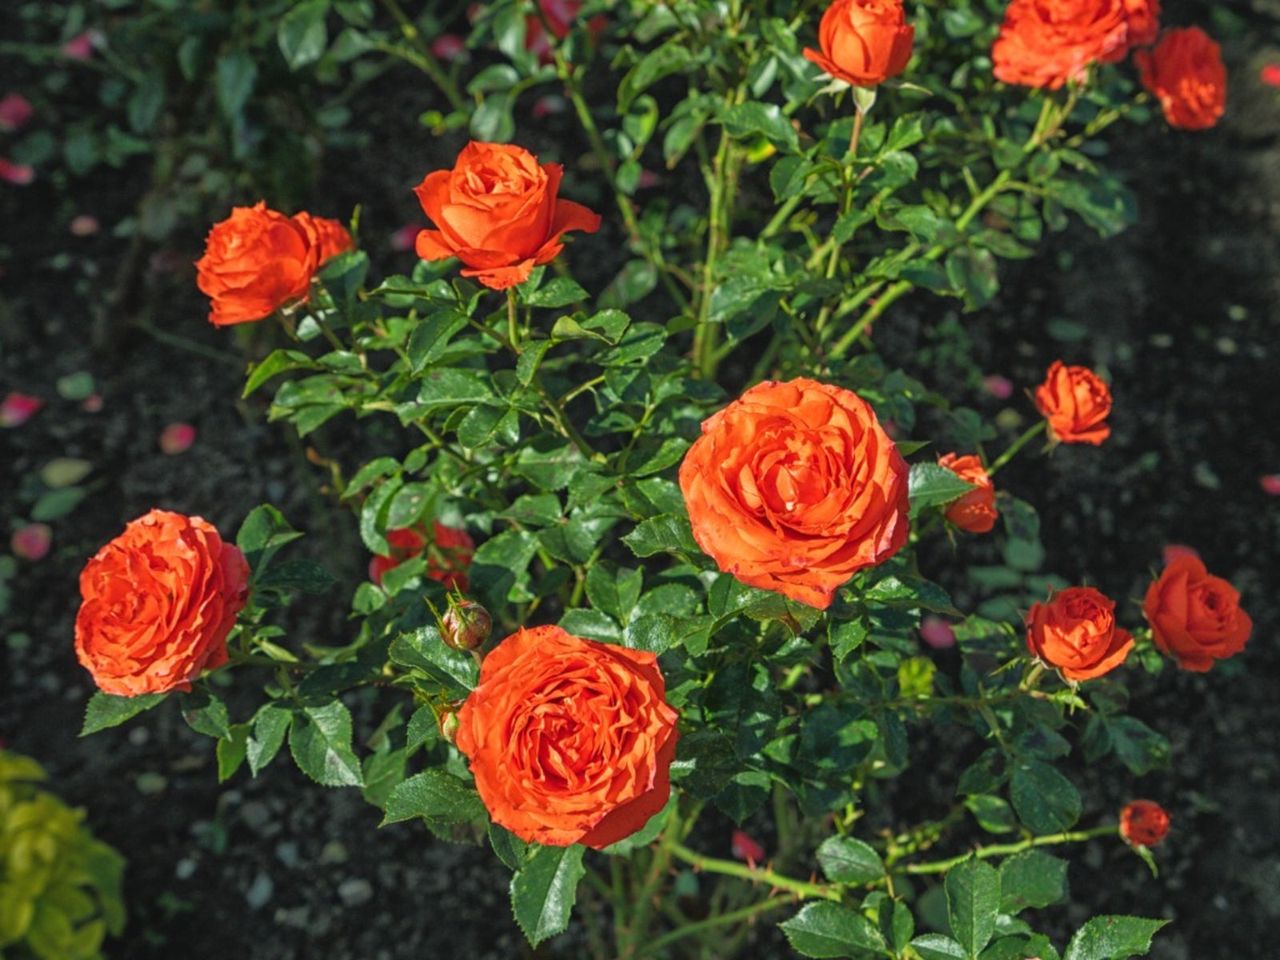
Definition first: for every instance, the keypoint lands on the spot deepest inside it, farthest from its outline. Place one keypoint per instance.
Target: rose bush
(702, 510)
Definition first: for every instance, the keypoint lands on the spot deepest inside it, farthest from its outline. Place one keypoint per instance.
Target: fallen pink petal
(92, 403)
(15, 111)
(177, 438)
(32, 541)
(84, 226)
(80, 47)
(19, 174)
(17, 408)
(999, 387)
(1270, 484)
(937, 633)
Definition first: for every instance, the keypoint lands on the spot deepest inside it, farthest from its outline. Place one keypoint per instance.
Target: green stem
(1028, 435)
(731, 868)
(422, 57)
(1004, 849)
(513, 328)
(694, 929)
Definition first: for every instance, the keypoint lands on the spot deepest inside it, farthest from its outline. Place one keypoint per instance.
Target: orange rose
(570, 740)
(329, 237)
(795, 487)
(1195, 616)
(158, 603)
(864, 42)
(498, 213)
(1045, 43)
(1076, 632)
(255, 262)
(1143, 823)
(1185, 73)
(975, 511)
(448, 552)
(1144, 22)
(1076, 403)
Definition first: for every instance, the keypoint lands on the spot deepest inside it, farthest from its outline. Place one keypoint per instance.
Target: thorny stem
(1028, 435)
(421, 57)
(1004, 849)
(729, 868)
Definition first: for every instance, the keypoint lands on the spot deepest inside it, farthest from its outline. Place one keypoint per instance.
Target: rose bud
(746, 849)
(1076, 632)
(1143, 823)
(466, 625)
(864, 42)
(1195, 617)
(974, 511)
(795, 487)
(498, 211)
(1185, 73)
(448, 721)
(1076, 404)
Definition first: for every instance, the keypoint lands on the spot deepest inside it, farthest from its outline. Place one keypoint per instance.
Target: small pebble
(355, 892)
(260, 891)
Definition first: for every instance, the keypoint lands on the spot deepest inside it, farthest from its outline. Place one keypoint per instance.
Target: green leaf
(847, 860)
(560, 292)
(57, 504)
(435, 795)
(762, 119)
(1112, 938)
(105, 710)
(320, 741)
(1031, 879)
(263, 532)
(1044, 799)
(270, 725)
(831, 930)
(931, 485)
(671, 57)
(543, 891)
(664, 534)
(430, 337)
(973, 900)
(231, 751)
(974, 274)
(234, 79)
(935, 946)
(304, 575)
(302, 34)
(206, 714)
(453, 388)
(992, 813)
(422, 649)
(276, 362)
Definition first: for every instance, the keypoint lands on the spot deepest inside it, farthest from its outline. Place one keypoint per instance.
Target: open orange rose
(497, 211)
(1195, 616)
(329, 237)
(864, 42)
(1076, 404)
(570, 740)
(1045, 43)
(448, 551)
(795, 487)
(1185, 73)
(1143, 823)
(255, 262)
(1076, 632)
(158, 603)
(975, 511)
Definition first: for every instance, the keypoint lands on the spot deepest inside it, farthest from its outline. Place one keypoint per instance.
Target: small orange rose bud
(1143, 823)
(466, 625)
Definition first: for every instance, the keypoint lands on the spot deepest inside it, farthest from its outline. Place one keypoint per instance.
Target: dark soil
(1182, 311)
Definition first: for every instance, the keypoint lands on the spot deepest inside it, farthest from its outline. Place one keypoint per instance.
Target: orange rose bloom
(1045, 43)
(1143, 823)
(448, 552)
(158, 603)
(864, 42)
(1185, 73)
(1076, 632)
(570, 740)
(1076, 403)
(795, 487)
(975, 511)
(497, 211)
(329, 237)
(1144, 22)
(1195, 616)
(255, 262)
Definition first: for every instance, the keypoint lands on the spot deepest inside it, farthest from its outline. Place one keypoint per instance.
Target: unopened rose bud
(1143, 823)
(449, 725)
(466, 625)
